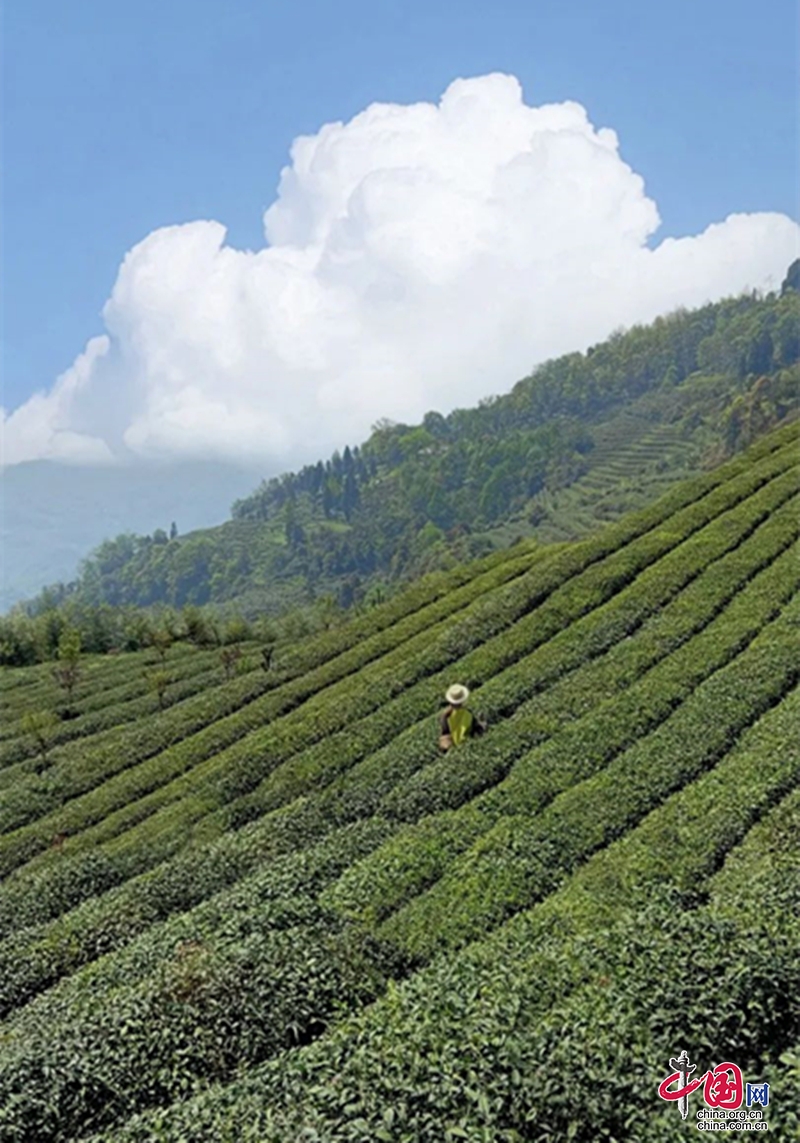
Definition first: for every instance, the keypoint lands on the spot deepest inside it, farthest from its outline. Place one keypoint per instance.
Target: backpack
(460, 723)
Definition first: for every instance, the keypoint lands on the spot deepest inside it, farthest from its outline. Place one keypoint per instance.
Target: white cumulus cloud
(50, 426)
(418, 257)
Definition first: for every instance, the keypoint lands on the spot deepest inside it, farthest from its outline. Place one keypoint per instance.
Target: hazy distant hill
(54, 514)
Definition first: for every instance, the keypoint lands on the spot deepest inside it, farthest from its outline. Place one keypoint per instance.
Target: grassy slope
(240, 886)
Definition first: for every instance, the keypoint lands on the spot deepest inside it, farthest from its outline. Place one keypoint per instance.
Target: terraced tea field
(273, 912)
(637, 455)
(633, 461)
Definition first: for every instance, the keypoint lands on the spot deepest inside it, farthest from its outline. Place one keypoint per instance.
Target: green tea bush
(103, 677)
(464, 1047)
(523, 858)
(214, 1010)
(64, 892)
(392, 876)
(588, 636)
(215, 734)
(642, 640)
(272, 895)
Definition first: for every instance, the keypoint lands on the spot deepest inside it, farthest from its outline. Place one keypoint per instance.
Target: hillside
(582, 440)
(273, 912)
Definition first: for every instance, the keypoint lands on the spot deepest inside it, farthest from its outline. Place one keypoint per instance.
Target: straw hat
(456, 695)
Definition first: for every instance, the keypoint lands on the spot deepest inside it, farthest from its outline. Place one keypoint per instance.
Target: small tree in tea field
(67, 670)
(161, 640)
(158, 681)
(230, 658)
(40, 726)
(267, 653)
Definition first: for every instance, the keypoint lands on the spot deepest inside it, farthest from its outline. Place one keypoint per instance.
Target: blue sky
(122, 118)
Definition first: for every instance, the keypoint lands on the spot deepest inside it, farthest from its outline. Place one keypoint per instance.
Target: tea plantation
(272, 911)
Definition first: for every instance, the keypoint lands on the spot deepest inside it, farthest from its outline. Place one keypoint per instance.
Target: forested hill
(581, 440)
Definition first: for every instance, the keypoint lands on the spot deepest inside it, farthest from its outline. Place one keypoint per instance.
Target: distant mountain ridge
(37, 497)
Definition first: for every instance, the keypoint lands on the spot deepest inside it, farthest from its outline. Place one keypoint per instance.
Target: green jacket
(460, 723)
